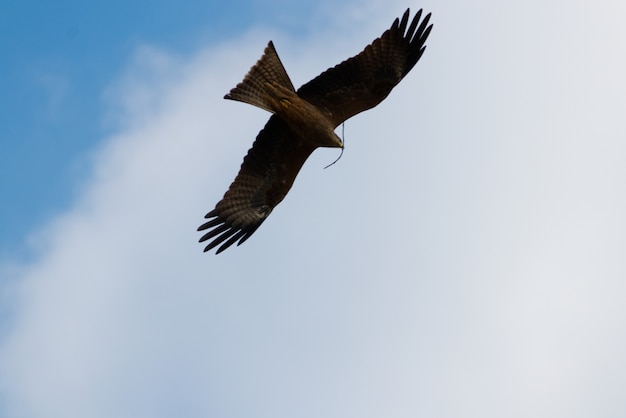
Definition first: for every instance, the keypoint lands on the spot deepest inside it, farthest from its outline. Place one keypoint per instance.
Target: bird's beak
(339, 142)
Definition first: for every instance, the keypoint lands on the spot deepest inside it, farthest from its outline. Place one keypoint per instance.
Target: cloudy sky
(464, 258)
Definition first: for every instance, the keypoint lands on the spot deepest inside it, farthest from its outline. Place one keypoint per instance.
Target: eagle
(303, 120)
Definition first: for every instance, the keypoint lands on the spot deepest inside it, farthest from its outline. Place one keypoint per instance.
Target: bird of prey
(304, 120)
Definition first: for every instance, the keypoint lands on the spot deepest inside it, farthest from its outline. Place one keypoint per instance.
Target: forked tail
(259, 87)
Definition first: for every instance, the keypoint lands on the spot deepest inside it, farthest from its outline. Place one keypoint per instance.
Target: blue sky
(58, 58)
(463, 258)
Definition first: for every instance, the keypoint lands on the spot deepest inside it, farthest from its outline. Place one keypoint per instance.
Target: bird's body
(268, 86)
(304, 120)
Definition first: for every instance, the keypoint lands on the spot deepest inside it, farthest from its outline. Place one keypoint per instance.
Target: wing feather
(266, 175)
(363, 81)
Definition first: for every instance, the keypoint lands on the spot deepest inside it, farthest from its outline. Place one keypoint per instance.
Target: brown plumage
(304, 120)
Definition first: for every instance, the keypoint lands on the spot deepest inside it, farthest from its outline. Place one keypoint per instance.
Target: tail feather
(259, 85)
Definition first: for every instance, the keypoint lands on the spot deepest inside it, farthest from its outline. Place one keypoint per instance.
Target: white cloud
(464, 258)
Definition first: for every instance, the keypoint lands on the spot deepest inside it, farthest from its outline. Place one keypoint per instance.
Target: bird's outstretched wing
(265, 177)
(363, 81)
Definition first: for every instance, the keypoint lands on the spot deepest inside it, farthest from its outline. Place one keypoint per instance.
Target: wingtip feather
(404, 21)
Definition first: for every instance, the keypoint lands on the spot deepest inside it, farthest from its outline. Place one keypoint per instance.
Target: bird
(303, 120)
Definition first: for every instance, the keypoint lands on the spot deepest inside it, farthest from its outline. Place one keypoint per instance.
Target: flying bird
(304, 120)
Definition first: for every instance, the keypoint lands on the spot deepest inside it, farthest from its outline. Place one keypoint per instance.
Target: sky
(463, 258)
